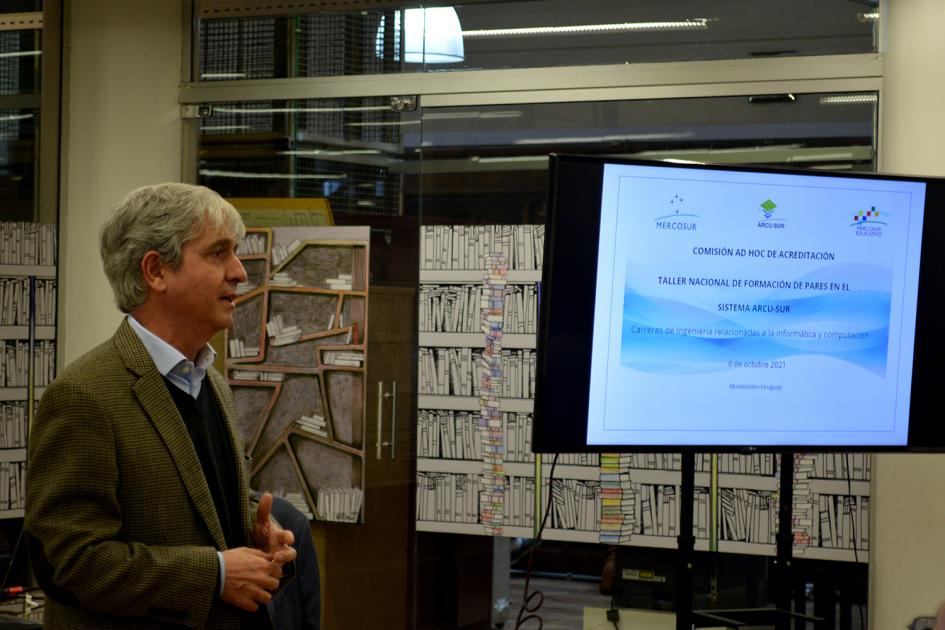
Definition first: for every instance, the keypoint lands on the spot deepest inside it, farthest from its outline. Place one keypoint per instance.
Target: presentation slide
(753, 308)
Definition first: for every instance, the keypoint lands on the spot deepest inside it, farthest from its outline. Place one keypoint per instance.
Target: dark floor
(564, 602)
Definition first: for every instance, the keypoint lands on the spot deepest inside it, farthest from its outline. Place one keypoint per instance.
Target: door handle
(379, 443)
(393, 417)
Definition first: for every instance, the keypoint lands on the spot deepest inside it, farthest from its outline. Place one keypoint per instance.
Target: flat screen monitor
(722, 308)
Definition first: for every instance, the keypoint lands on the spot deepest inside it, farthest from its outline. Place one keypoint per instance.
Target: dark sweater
(208, 432)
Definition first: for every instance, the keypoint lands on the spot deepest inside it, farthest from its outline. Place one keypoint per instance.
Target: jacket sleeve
(80, 553)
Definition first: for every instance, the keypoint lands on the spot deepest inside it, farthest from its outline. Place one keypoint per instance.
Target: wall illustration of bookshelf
(475, 470)
(296, 361)
(27, 328)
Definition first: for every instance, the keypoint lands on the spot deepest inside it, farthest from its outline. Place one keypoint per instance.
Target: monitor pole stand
(781, 615)
(785, 540)
(686, 543)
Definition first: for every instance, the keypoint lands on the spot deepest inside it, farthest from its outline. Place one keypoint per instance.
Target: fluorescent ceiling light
(295, 110)
(225, 128)
(680, 161)
(820, 157)
(21, 53)
(693, 24)
(510, 158)
(467, 115)
(223, 75)
(608, 138)
(206, 172)
(391, 123)
(847, 99)
(15, 117)
(325, 152)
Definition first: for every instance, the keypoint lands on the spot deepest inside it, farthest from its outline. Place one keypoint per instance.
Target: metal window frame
(832, 73)
(739, 77)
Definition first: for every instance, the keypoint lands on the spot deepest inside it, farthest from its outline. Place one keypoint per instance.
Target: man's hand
(250, 575)
(269, 537)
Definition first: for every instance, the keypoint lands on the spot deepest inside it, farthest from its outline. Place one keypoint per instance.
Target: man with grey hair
(137, 507)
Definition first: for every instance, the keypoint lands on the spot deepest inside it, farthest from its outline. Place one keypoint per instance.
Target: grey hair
(162, 218)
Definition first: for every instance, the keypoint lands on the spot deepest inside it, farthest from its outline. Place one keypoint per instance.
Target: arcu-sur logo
(770, 221)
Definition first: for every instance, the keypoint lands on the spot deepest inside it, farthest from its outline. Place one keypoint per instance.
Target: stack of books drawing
(343, 358)
(245, 287)
(339, 504)
(253, 375)
(281, 252)
(298, 502)
(341, 283)
(282, 279)
(280, 334)
(239, 350)
(616, 500)
(251, 244)
(314, 424)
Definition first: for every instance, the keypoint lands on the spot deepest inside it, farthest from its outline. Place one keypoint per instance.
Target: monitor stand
(781, 616)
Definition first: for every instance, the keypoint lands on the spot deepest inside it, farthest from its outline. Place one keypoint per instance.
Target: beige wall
(908, 533)
(121, 130)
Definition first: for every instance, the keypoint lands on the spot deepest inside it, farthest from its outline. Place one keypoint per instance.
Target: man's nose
(237, 271)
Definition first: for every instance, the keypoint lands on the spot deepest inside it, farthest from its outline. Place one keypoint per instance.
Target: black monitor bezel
(566, 317)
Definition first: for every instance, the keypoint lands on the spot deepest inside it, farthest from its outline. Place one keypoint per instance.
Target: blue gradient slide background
(860, 311)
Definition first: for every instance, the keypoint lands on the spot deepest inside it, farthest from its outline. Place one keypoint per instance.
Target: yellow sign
(283, 211)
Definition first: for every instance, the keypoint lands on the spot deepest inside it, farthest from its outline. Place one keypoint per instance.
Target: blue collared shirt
(185, 374)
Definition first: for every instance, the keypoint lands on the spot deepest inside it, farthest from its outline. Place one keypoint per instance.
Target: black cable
(527, 605)
(856, 555)
(16, 547)
(613, 601)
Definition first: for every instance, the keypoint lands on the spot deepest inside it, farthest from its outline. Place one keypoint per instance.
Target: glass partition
(408, 37)
(19, 137)
(487, 164)
(21, 49)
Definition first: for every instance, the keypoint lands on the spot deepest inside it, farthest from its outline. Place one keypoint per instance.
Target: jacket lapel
(151, 391)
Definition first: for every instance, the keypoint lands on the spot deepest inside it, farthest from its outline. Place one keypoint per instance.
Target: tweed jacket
(122, 528)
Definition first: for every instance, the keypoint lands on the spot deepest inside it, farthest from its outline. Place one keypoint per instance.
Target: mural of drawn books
(296, 359)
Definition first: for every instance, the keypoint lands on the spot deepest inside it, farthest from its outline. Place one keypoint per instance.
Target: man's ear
(153, 271)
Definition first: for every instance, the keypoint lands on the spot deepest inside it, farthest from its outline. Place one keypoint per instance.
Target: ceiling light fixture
(225, 128)
(21, 53)
(15, 117)
(433, 35)
(848, 99)
(466, 115)
(223, 75)
(206, 172)
(382, 123)
(606, 138)
(301, 110)
(328, 153)
(692, 24)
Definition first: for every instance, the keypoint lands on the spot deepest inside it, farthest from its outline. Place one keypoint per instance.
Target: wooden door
(367, 569)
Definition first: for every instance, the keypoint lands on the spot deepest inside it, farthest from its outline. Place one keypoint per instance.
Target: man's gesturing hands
(251, 574)
(270, 537)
